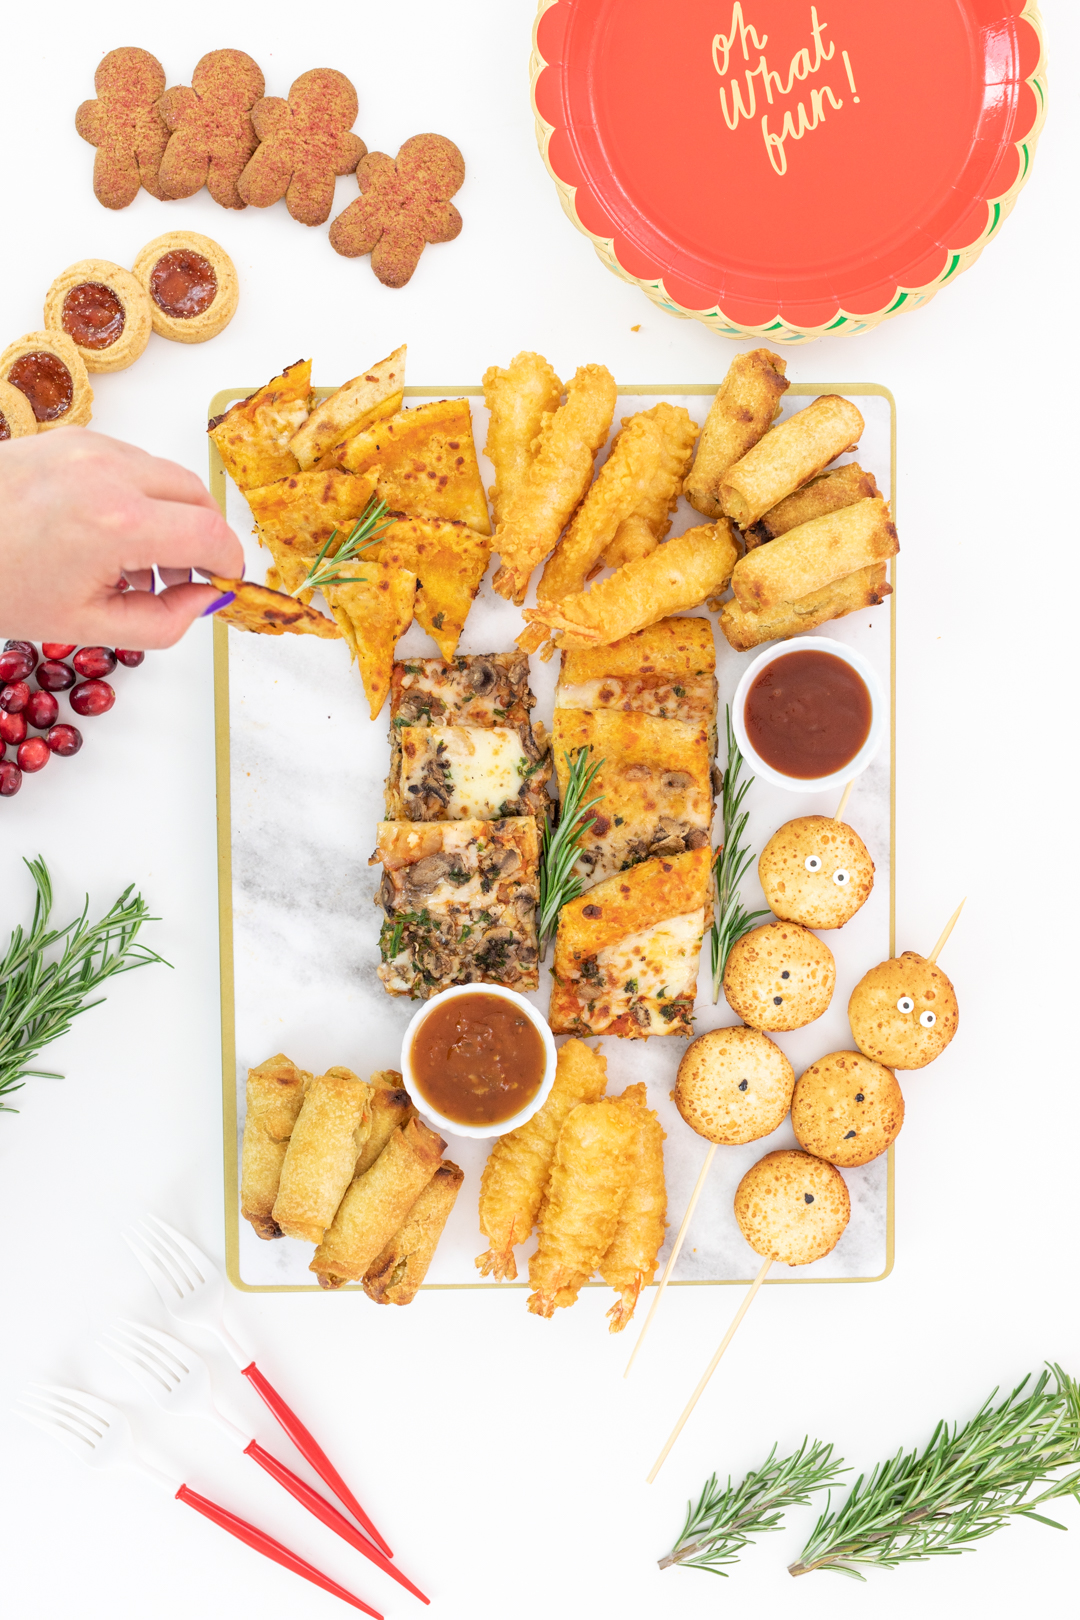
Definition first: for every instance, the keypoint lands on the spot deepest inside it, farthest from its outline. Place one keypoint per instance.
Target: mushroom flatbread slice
(270, 613)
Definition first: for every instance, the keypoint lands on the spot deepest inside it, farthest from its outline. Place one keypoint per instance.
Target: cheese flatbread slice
(424, 463)
(374, 609)
(449, 560)
(253, 435)
(460, 900)
(627, 952)
(668, 670)
(302, 511)
(269, 613)
(356, 405)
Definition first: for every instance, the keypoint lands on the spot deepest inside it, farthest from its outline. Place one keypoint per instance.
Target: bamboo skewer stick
(949, 926)
(672, 1257)
(711, 1368)
(842, 806)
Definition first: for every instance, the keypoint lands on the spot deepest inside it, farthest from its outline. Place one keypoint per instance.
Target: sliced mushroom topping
(717, 777)
(676, 781)
(416, 707)
(428, 873)
(532, 750)
(501, 862)
(640, 1014)
(385, 895)
(696, 838)
(482, 676)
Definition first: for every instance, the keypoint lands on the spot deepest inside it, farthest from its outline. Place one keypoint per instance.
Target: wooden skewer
(842, 806)
(949, 926)
(711, 1368)
(672, 1257)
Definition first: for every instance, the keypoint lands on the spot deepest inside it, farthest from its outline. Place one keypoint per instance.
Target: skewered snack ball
(779, 976)
(846, 1108)
(734, 1085)
(817, 871)
(903, 1012)
(792, 1207)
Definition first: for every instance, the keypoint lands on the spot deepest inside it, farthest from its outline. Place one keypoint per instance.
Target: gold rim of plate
(221, 402)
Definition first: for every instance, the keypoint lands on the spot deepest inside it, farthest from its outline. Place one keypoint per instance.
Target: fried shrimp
(590, 1180)
(519, 1165)
(630, 1262)
(519, 399)
(650, 520)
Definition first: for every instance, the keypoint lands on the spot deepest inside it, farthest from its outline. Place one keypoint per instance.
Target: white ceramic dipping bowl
(812, 784)
(452, 1126)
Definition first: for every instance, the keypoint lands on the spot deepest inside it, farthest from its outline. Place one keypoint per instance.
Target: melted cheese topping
(481, 769)
(662, 958)
(691, 698)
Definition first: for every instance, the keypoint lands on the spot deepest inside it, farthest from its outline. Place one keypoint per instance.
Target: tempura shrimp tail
(624, 1307)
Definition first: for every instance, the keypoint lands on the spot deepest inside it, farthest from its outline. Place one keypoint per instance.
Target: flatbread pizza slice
(253, 435)
(668, 670)
(374, 608)
(424, 463)
(270, 613)
(449, 560)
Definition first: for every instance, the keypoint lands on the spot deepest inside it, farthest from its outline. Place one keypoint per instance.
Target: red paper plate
(780, 169)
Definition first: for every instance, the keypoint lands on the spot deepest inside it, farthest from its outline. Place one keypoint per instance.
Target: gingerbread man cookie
(212, 137)
(405, 204)
(305, 144)
(125, 126)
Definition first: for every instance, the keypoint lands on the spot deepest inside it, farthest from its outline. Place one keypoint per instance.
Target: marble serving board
(300, 789)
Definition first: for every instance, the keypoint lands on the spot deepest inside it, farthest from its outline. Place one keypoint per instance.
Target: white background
(504, 1457)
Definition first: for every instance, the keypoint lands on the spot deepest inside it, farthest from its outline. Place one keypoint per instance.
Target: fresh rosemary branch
(39, 998)
(559, 845)
(365, 532)
(727, 1520)
(966, 1484)
(731, 920)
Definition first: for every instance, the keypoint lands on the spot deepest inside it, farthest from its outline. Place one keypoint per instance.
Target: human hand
(78, 511)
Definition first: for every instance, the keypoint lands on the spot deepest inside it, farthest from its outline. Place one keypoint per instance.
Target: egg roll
(518, 400)
(390, 1107)
(275, 1091)
(789, 456)
(620, 485)
(867, 587)
(650, 520)
(377, 1203)
(329, 1133)
(810, 557)
(556, 478)
(679, 574)
(746, 404)
(830, 492)
(395, 1276)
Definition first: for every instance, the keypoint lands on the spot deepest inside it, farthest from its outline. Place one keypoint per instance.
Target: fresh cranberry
(27, 649)
(129, 659)
(12, 728)
(64, 740)
(53, 676)
(13, 698)
(42, 710)
(95, 661)
(57, 649)
(16, 664)
(10, 778)
(33, 754)
(92, 697)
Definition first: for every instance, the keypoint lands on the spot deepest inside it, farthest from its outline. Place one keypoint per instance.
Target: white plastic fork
(179, 1381)
(190, 1288)
(99, 1434)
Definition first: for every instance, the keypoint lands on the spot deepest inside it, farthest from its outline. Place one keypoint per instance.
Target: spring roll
(275, 1091)
(621, 484)
(679, 574)
(810, 557)
(650, 520)
(395, 1276)
(788, 457)
(867, 587)
(330, 1130)
(746, 405)
(518, 399)
(377, 1203)
(829, 493)
(556, 478)
(390, 1107)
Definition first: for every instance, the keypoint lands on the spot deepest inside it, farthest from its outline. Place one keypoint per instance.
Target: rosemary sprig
(730, 920)
(727, 1519)
(559, 845)
(39, 998)
(365, 532)
(966, 1484)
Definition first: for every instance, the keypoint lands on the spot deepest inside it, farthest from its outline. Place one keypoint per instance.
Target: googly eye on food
(813, 863)
(928, 1019)
(905, 1005)
(841, 877)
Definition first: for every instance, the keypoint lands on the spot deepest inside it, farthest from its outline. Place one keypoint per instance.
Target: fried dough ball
(779, 976)
(847, 1109)
(816, 871)
(792, 1207)
(734, 1085)
(903, 1012)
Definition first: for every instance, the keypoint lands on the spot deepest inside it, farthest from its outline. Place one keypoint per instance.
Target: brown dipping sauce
(5, 431)
(183, 284)
(92, 315)
(808, 713)
(46, 382)
(478, 1059)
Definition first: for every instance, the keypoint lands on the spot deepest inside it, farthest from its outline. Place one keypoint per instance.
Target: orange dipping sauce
(478, 1059)
(808, 714)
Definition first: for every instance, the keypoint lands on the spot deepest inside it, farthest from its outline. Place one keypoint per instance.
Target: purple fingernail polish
(222, 601)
